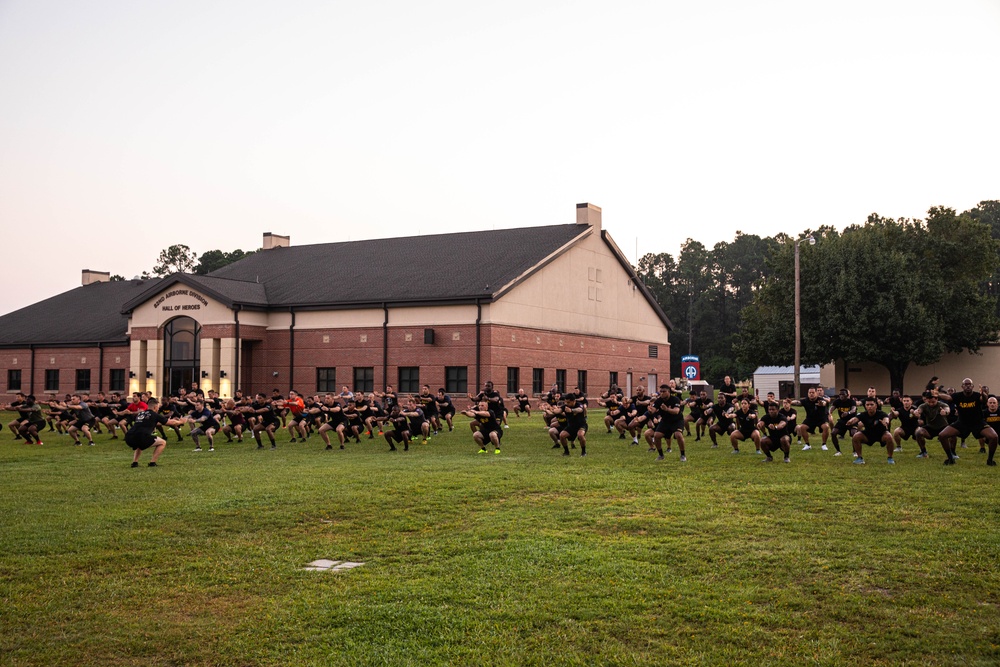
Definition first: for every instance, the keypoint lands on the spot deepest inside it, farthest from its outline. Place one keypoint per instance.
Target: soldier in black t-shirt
(523, 402)
(908, 422)
(728, 388)
(428, 404)
(817, 418)
(778, 430)
(670, 407)
(699, 411)
(746, 419)
(970, 407)
(446, 408)
(267, 420)
(15, 425)
(576, 425)
(140, 436)
(992, 418)
(872, 425)
(845, 407)
(722, 419)
(334, 420)
(418, 420)
(489, 430)
(400, 431)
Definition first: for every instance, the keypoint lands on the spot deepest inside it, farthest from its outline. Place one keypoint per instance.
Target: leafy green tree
(988, 212)
(703, 293)
(212, 260)
(175, 259)
(894, 292)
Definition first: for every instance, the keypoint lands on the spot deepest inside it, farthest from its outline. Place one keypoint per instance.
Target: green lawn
(526, 558)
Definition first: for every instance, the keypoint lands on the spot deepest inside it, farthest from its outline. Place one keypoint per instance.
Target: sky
(129, 126)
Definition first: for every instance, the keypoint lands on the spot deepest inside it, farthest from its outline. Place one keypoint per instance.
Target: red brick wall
(502, 346)
(67, 361)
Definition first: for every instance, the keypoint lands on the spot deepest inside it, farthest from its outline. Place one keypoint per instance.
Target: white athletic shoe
(824, 448)
(837, 454)
(806, 448)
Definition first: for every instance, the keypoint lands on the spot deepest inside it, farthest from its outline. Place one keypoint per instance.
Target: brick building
(525, 308)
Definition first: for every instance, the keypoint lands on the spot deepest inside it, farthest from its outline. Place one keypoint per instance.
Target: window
(456, 379)
(13, 380)
(537, 380)
(52, 379)
(561, 379)
(116, 381)
(364, 378)
(612, 379)
(654, 351)
(83, 379)
(409, 379)
(513, 380)
(581, 380)
(326, 380)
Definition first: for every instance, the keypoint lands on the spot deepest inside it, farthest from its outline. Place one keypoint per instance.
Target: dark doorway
(181, 353)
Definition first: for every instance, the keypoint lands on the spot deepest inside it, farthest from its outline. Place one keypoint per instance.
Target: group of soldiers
(771, 425)
(660, 420)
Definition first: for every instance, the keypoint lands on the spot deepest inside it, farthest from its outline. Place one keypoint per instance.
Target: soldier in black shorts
(778, 429)
(908, 422)
(489, 430)
(140, 435)
(992, 418)
(523, 404)
(445, 408)
(419, 424)
(971, 409)
(845, 408)
(400, 431)
(670, 407)
(428, 405)
(817, 419)
(576, 425)
(932, 418)
(872, 425)
(722, 419)
(746, 419)
(267, 420)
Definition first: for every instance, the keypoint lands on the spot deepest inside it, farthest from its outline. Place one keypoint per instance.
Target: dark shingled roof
(229, 292)
(439, 267)
(87, 314)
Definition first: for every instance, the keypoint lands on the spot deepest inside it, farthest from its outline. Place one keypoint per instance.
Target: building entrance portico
(181, 353)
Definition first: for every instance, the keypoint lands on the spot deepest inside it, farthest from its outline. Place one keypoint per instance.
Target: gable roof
(461, 267)
(228, 292)
(89, 314)
(419, 269)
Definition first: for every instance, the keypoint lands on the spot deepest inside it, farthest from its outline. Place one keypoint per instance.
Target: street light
(798, 317)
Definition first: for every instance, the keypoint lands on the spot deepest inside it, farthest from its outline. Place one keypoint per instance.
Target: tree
(212, 260)
(988, 212)
(703, 293)
(893, 292)
(116, 278)
(175, 259)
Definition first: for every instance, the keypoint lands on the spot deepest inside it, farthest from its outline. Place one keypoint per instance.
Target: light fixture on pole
(798, 318)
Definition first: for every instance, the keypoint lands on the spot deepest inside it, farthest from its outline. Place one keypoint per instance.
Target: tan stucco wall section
(983, 368)
(569, 295)
(152, 313)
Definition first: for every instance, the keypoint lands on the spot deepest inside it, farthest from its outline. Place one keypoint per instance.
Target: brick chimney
(95, 277)
(275, 241)
(588, 214)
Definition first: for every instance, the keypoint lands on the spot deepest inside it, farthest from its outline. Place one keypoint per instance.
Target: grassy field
(526, 558)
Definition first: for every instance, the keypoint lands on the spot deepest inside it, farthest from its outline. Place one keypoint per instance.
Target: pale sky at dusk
(129, 126)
